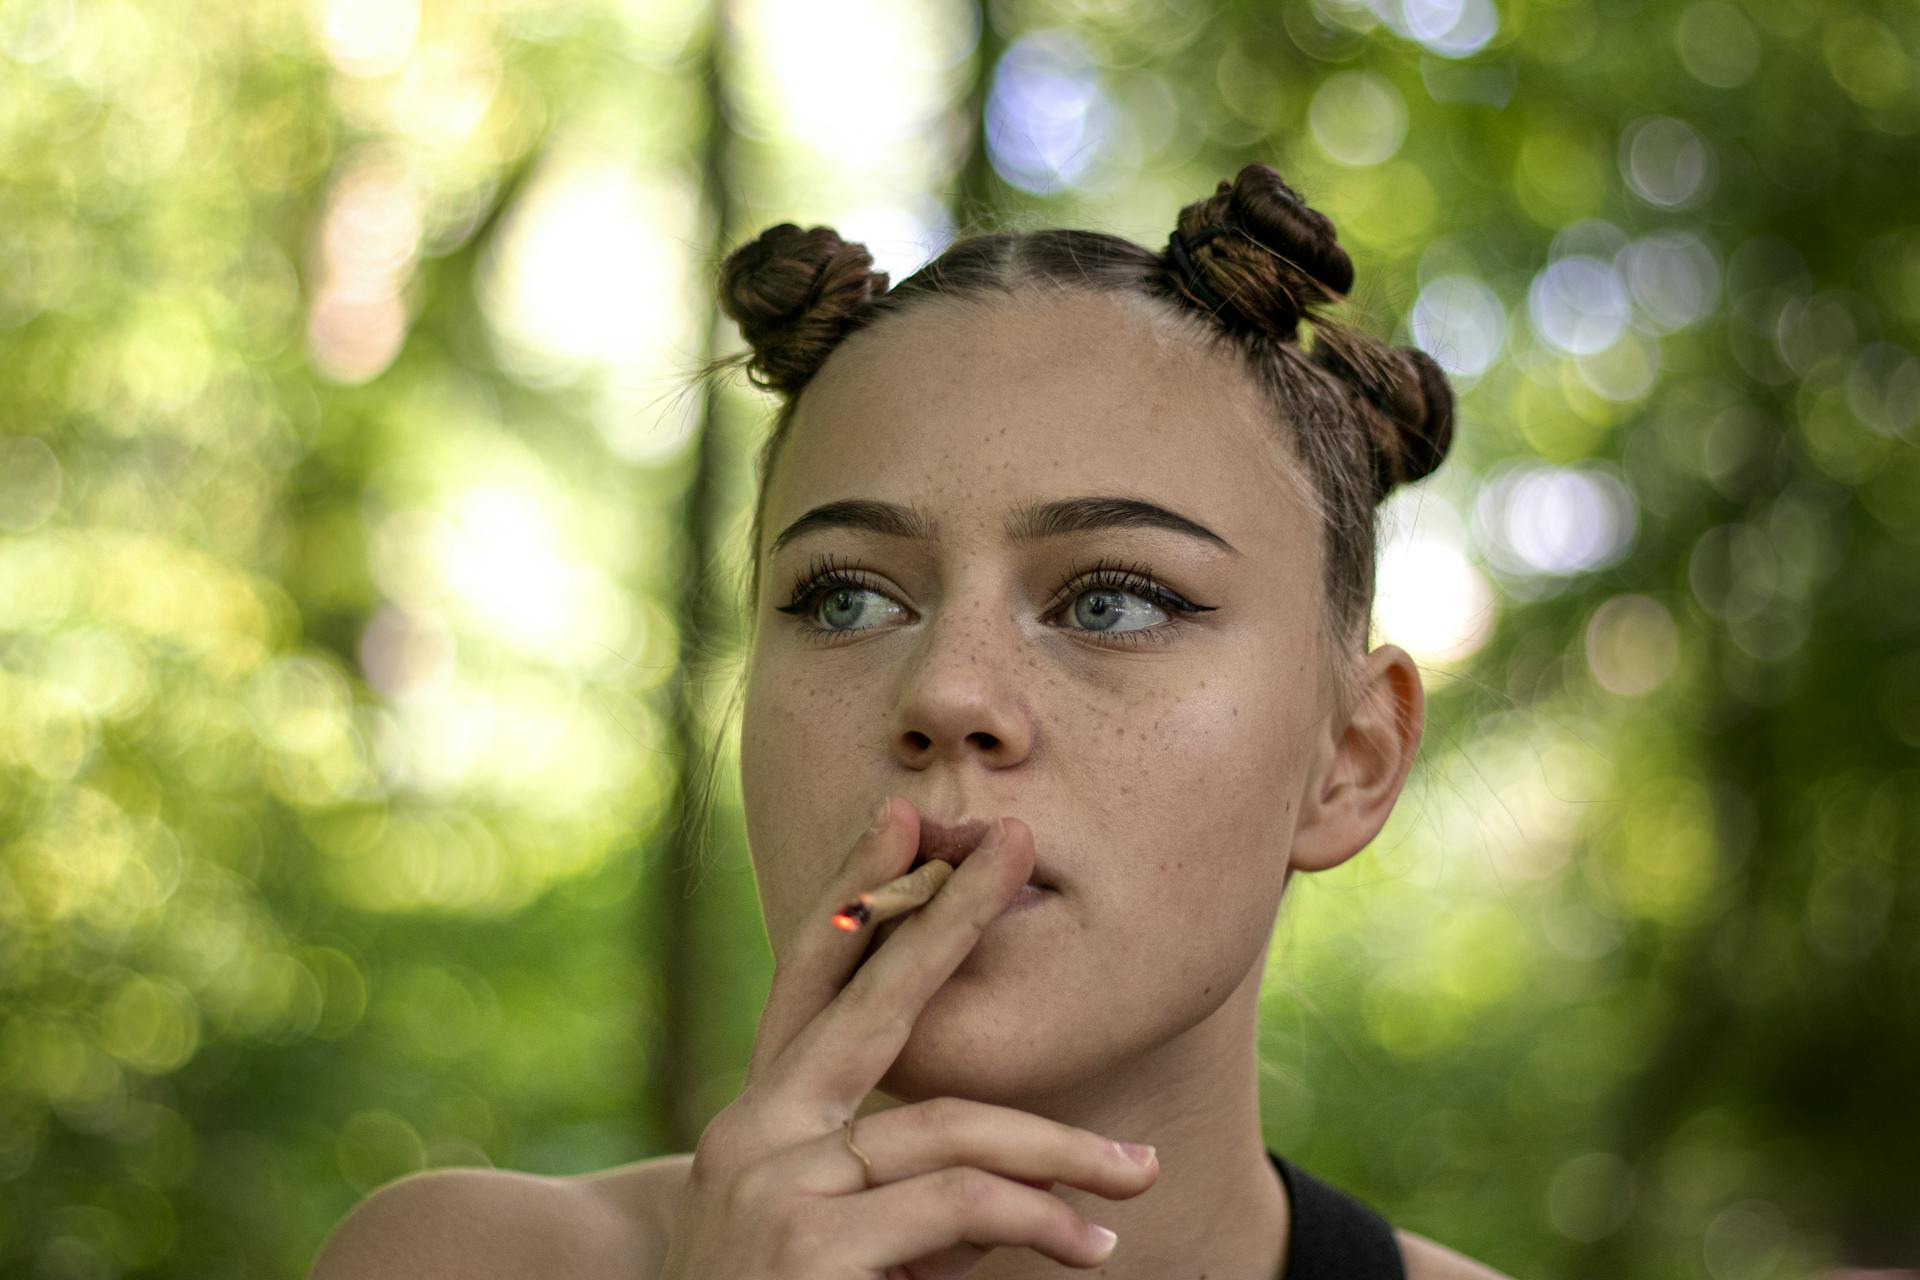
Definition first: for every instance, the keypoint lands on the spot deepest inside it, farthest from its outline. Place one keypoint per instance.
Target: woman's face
(1158, 756)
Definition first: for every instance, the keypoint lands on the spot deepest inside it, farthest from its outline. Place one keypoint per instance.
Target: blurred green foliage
(344, 511)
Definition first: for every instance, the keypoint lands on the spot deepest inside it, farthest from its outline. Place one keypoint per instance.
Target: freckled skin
(1126, 1005)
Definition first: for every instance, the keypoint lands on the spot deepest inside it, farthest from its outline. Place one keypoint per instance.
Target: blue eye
(847, 598)
(1101, 598)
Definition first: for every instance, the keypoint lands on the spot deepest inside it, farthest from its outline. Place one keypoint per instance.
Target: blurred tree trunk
(670, 1095)
(980, 193)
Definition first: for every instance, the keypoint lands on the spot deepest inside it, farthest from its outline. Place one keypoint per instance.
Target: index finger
(819, 957)
(840, 1056)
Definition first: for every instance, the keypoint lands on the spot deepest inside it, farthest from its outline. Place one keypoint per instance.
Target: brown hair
(1361, 416)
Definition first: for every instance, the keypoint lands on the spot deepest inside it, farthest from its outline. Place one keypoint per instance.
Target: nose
(963, 695)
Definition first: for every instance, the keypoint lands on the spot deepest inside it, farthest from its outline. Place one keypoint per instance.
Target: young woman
(1062, 569)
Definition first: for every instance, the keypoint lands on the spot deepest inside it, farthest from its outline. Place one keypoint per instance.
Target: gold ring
(865, 1164)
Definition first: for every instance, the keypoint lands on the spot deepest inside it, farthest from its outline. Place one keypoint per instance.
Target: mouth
(953, 842)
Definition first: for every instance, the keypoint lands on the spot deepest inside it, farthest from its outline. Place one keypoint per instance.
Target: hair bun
(1414, 401)
(1284, 264)
(1274, 214)
(794, 293)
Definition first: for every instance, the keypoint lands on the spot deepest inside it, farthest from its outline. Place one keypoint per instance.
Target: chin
(982, 1046)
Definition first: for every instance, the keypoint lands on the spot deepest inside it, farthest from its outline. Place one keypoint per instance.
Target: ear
(1363, 763)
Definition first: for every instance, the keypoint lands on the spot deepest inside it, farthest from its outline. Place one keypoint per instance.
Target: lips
(950, 842)
(953, 841)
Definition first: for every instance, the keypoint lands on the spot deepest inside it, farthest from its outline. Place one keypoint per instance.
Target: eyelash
(823, 575)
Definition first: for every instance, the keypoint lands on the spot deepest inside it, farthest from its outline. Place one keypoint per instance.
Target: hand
(774, 1194)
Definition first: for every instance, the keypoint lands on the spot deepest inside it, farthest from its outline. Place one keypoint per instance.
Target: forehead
(971, 409)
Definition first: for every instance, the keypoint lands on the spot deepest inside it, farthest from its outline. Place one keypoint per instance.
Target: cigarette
(895, 897)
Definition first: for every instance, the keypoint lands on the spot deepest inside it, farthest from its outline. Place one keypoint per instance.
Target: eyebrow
(1028, 524)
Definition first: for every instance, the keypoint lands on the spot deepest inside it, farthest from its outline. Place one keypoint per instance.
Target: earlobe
(1364, 765)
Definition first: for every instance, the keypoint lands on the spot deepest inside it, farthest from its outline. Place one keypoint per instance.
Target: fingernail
(1103, 1240)
(1138, 1152)
(996, 834)
(882, 812)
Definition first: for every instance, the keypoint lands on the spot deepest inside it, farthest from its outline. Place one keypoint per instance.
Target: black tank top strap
(1334, 1236)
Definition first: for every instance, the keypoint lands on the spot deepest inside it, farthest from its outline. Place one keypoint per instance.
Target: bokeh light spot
(1717, 45)
(1578, 304)
(1632, 645)
(1666, 162)
(1358, 118)
(1047, 115)
(1461, 323)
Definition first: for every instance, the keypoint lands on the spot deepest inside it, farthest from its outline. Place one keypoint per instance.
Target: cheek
(1185, 931)
(779, 714)
(794, 810)
(1221, 745)
(1207, 790)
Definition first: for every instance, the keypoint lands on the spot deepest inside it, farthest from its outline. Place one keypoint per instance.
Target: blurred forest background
(367, 561)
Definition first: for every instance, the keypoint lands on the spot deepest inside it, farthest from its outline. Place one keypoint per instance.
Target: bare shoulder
(476, 1224)
(643, 1194)
(1429, 1260)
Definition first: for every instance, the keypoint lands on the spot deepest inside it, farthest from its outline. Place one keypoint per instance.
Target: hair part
(1358, 416)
